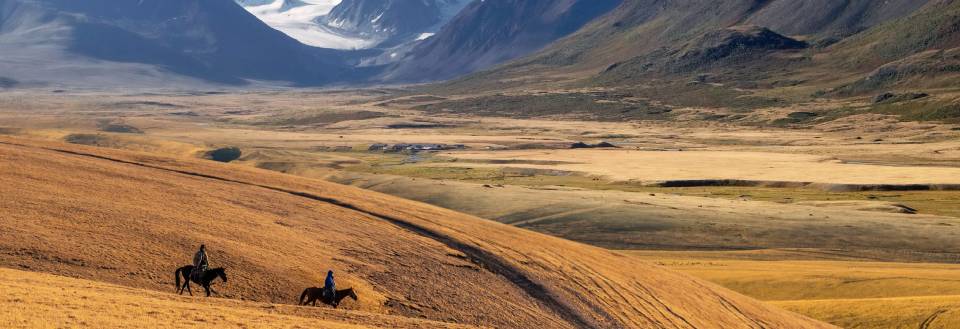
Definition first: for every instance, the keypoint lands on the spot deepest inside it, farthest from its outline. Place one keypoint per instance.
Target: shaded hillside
(486, 33)
(932, 68)
(98, 43)
(831, 19)
(724, 51)
(277, 234)
(935, 27)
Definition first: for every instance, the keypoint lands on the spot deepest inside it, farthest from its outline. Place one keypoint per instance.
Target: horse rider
(199, 263)
(329, 288)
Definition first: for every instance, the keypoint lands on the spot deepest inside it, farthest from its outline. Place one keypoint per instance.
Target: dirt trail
(929, 320)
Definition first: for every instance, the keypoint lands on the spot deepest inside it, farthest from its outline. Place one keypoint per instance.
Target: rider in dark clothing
(200, 262)
(329, 288)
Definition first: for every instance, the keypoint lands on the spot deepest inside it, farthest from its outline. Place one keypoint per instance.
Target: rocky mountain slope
(643, 38)
(104, 43)
(487, 33)
(392, 22)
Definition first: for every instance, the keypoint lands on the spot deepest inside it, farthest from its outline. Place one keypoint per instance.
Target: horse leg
(190, 291)
(207, 288)
(183, 286)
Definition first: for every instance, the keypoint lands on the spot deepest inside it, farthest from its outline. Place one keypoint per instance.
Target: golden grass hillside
(38, 300)
(132, 218)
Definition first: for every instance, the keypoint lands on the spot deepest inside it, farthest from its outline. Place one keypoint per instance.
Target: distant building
(416, 147)
(378, 147)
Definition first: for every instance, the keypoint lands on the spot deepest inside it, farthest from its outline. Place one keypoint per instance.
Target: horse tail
(176, 277)
(304, 295)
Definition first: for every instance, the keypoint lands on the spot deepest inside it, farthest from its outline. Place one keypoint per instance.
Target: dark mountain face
(831, 18)
(731, 41)
(489, 32)
(392, 21)
(210, 40)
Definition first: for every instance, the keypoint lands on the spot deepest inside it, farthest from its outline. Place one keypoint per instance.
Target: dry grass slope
(131, 218)
(910, 312)
(35, 300)
(830, 285)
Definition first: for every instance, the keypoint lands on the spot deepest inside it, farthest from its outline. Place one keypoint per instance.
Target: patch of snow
(296, 18)
(304, 21)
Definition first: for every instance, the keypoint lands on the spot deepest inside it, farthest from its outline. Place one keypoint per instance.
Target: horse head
(352, 294)
(222, 273)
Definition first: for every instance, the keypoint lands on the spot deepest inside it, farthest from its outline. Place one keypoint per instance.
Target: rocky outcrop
(718, 45)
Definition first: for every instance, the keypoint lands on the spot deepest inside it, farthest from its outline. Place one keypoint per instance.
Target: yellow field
(654, 166)
(847, 293)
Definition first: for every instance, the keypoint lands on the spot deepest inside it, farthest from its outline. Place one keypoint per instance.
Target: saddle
(197, 274)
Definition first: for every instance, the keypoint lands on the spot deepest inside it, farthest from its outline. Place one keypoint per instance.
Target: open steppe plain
(841, 221)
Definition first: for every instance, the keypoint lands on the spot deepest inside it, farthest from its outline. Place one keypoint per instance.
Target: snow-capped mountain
(356, 24)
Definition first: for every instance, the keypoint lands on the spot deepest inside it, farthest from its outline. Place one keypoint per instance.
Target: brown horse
(205, 281)
(312, 295)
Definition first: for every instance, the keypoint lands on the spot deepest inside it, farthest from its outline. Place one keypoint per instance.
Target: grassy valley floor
(829, 286)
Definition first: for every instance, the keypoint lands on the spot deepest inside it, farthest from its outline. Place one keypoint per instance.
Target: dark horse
(312, 295)
(205, 281)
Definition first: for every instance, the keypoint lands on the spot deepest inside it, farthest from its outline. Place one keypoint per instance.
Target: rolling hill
(277, 234)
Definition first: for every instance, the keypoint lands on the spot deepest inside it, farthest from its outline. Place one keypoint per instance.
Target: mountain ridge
(633, 44)
(206, 42)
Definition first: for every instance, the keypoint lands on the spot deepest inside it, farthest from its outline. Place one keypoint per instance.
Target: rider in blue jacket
(200, 263)
(329, 288)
